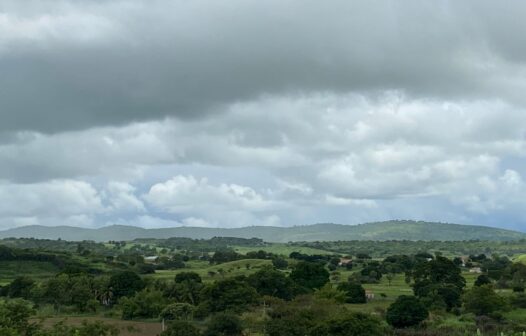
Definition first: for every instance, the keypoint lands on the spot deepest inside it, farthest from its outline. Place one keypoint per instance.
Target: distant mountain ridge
(389, 230)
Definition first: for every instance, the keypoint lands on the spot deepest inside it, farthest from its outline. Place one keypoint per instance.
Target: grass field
(521, 258)
(127, 328)
(35, 269)
(386, 293)
(281, 249)
(517, 315)
(203, 268)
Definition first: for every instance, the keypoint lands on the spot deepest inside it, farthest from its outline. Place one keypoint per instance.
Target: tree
(458, 261)
(271, 282)
(439, 279)
(439, 270)
(177, 311)
(14, 318)
(81, 292)
(406, 311)
(223, 256)
(224, 324)
(371, 273)
(390, 277)
(310, 275)
(482, 280)
(187, 276)
(483, 300)
(518, 300)
(299, 316)
(181, 328)
(145, 304)
(228, 294)
(353, 324)
(20, 287)
(125, 283)
(289, 326)
(363, 256)
(280, 263)
(187, 287)
(328, 292)
(354, 292)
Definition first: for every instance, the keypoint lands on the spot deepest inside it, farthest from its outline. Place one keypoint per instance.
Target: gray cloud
(72, 65)
(160, 113)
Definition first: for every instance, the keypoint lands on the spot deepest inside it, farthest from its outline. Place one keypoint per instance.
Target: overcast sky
(247, 112)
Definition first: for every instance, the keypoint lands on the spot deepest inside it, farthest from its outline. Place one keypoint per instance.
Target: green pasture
(34, 269)
(520, 258)
(213, 272)
(281, 249)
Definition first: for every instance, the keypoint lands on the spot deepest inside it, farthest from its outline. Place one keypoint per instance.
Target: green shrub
(406, 311)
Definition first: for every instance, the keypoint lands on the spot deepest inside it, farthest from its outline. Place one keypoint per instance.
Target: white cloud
(48, 199)
(121, 198)
(366, 203)
(299, 155)
(186, 194)
(342, 112)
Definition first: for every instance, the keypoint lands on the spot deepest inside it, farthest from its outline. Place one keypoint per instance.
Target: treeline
(58, 245)
(382, 249)
(63, 262)
(201, 245)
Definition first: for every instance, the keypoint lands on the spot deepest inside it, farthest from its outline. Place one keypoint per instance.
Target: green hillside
(390, 230)
(13, 269)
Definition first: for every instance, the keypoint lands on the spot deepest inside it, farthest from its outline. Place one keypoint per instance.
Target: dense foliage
(406, 311)
(222, 289)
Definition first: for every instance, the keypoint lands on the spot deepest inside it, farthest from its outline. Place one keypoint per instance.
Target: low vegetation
(234, 286)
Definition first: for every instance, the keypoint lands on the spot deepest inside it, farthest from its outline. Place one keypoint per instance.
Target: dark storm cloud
(77, 64)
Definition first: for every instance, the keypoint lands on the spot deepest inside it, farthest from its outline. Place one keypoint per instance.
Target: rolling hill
(390, 230)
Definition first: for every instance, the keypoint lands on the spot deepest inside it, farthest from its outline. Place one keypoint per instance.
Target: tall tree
(406, 311)
(439, 279)
(311, 275)
(125, 283)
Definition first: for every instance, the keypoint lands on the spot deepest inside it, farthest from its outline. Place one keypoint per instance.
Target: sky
(161, 113)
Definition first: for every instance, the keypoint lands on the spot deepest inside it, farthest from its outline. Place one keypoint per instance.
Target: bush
(280, 263)
(406, 311)
(482, 280)
(228, 294)
(310, 275)
(145, 304)
(483, 301)
(271, 282)
(354, 292)
(178, 311)
(519, 300)
(126, 283)
(181, 328)
(224, 324)
(354, 324)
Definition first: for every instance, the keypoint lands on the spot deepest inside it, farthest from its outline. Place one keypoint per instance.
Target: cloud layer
(159, 113)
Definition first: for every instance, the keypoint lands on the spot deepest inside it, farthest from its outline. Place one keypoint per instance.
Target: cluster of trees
(382, 249)
(234, 294)
(311, 316)
(439, 283)
(55, 245)
(228, 254)
(297, 299)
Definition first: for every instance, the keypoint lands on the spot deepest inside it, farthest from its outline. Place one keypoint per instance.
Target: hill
(390, 230)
